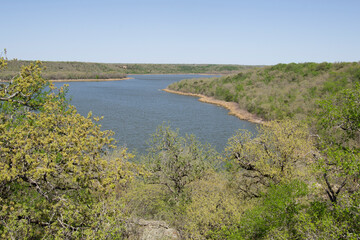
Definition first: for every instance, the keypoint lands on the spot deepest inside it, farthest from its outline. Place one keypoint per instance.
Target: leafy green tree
(339, 130)
(319, 221)
(338, 168)
(180, 171)
(214, 209)
(54, 180)
(279, 153)
(340, 114)
(275, 214)
(176, 161)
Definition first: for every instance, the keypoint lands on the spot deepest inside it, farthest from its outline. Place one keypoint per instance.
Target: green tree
(54, 179)
(275, 214)
(214, 209)
(177, 166)
(339, 130)
(279, 153)
(176, 161)
(335, 214)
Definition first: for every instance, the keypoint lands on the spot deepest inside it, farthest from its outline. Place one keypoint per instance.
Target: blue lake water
(134, 108)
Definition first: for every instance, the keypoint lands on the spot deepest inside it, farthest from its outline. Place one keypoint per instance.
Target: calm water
(134, 108)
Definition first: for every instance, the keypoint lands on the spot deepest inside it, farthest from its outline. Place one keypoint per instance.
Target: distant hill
(184, 68)
(84, 70)
(280, 91)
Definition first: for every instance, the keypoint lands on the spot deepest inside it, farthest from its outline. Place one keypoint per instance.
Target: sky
(248, 32)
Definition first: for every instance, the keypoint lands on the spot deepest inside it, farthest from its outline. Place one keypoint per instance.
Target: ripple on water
(134, 108)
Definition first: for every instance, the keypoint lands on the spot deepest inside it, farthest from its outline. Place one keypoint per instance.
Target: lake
(134, 108)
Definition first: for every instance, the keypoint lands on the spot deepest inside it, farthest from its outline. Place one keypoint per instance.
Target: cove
(134, 108)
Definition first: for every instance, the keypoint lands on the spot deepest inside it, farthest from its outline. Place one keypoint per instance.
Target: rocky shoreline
(234, 108)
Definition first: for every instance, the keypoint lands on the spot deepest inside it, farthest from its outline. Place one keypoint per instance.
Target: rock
(151, 230)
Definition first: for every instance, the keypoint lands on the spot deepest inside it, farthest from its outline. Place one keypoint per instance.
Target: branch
(330, 192)
(36, 185)
(249, 193)
(9, 97)
(341, 186)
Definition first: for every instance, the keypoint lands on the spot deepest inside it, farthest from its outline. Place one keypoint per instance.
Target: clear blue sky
(253, 32)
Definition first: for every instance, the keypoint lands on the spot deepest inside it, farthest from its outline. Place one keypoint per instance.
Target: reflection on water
(134, 108)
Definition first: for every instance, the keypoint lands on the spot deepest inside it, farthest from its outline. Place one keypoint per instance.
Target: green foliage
(283, 183)
(269, 190)
(275, 214)
(151, 201)
(213, 210)
(321, 222)
(338, 126)
(283, 205)
(83, 70)
(223, 94)
(54, 180)
(337, 83)
(68, 70)
(295, 88)
(58, 180)
(183, 188)
(340, 114)
(338, 166)
(278, 154)
(176, 161)
(183, 68)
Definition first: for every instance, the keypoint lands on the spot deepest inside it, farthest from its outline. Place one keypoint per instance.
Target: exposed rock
(151, 230)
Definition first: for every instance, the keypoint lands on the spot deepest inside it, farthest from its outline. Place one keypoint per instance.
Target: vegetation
(271, 186)
(68, 70)
(280, 91)
(184, 68)
(82, 70)
(176, 162)
(60, 178)
(279, 153)
(54, 180)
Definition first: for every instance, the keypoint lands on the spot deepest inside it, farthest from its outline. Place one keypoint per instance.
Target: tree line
(85, 70)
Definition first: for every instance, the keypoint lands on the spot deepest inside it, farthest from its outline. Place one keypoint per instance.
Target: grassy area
(83, 70)
(275, 92)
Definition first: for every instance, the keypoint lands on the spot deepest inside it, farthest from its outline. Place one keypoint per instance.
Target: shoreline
(205, 74)
(90, 80)
(233, 107)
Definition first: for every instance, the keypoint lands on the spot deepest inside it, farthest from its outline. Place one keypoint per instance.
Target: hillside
(275, 92)
(84, 70)
(184, 68)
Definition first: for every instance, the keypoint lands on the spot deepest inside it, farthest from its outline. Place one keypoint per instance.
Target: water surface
(134, 108)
